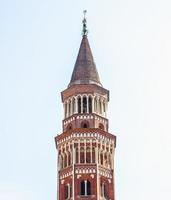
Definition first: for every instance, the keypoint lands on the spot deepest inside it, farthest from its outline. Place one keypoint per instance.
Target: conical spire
(85, 71)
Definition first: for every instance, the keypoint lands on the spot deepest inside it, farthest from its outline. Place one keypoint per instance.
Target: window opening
(88, 155)
(66, 192)
(82, 155)
(84, 104)
(90, 104)
(82, 188)
(79, 105)
(88, 188)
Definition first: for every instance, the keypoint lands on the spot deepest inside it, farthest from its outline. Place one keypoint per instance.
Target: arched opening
(101, 126)
(88, 188)
(79, 104)
(88, 155)
(73, 105)
(69, 127)
(105, 160)
(93, 155)
(65, 108)
(77, 155)
(85, 124)
(60, 161)
(65, 160)
(105, 191)
(82, 188)
(90, 104)
(66, 193)
(82, 159)
(69, 109)
(101, 158)
(95, 105)
(85, 188)
(100, 107)
(104, 107)
(69, 158)
(84, 104)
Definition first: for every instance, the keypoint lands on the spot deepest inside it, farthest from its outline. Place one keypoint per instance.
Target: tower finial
(84, 31)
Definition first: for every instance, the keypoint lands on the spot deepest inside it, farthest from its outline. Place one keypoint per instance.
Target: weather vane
(85, 31)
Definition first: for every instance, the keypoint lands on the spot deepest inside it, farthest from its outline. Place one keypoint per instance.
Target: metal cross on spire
(84, 31)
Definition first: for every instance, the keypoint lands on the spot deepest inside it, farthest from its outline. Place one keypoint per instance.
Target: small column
(76, 104)
(67, 115)
(79, 152)
(71, 111)
(87, 104)
(69, 195)
(85, 183)
(98, 106)
(85, 150)
(91, 151)
(93, 104)
(81, 104)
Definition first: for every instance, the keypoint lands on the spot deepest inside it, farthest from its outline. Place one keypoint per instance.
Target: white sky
(131, 44)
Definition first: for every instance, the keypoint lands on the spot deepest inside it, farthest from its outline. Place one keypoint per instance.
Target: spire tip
(84, 31)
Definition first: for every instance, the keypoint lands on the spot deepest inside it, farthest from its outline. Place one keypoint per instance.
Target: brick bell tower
(85, 148)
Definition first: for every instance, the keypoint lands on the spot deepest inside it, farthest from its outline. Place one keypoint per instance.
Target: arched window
(101, 126)
(90, 104)
(69, 127)
(82, 159)
(100, 107)
(93, 155)
(60, 161)
(105, 191)
(104, 107)
(66, 192)
(65, 160)
(73, 105)
(79, 104)
(88, 155)
(84, 124)
(88, 188)
(84, 104)
(85, 188)
(82, 188)
(65, 107)
(101, 158)
(69, 104)
(69, 158)
(95, 105)
(77, 155)
(105, 160)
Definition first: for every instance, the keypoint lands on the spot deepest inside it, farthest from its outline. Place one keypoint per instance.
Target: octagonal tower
(85, 148)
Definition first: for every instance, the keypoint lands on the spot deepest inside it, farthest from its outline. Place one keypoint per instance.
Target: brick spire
(85, 71)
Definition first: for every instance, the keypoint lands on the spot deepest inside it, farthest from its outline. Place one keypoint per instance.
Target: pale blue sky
(131, 44)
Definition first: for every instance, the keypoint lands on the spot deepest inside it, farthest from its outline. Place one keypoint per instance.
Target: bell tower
(85, 148)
